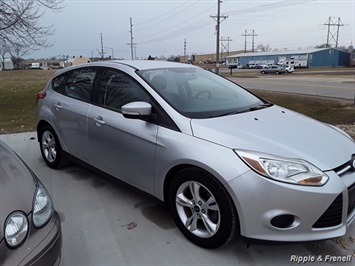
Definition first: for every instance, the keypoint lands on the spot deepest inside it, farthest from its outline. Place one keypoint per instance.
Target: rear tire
(51, 150)
(202, 208)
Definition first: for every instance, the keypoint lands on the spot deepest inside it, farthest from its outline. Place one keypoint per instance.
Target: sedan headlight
(16, 229)
(42, 207)
(284, 169)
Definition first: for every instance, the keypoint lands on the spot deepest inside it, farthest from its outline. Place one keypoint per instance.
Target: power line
(159, 22)
(187, 27)
(204, 22)
(165, 13)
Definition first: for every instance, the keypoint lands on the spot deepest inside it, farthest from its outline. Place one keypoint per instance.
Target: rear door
(70, 107)
(124, 148)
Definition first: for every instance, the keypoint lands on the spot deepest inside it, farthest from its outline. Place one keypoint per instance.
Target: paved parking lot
(107, 223)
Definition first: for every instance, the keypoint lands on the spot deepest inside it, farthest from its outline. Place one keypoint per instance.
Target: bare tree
(324, 45)
(19, 22)
(17, 52)
(4, 49)
(263, 48)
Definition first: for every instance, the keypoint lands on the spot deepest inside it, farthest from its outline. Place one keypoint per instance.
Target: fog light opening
(283, 221)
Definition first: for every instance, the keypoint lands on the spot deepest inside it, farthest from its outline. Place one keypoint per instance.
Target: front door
(124, 148)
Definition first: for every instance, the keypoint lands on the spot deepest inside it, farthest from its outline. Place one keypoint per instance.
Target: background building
(316, 57)
(207, 58)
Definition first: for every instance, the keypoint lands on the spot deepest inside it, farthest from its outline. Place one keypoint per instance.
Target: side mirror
(137, 110)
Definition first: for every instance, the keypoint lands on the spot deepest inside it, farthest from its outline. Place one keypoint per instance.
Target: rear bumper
(42, 246)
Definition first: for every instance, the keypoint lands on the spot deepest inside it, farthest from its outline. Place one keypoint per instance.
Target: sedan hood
(17, 186)
(281, 132)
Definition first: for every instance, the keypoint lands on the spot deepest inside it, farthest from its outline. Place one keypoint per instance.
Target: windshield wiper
(260, 106)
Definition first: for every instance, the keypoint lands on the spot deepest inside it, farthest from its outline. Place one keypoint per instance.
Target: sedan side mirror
(137, 110)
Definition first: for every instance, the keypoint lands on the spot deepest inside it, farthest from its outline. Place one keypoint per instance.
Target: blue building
(316, 57)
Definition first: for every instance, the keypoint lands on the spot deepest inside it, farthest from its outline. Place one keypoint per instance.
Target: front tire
(51, 150)
(202, 208)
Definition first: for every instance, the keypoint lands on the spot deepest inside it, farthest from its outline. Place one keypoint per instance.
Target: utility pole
(185, 51)
(102, 48)
(331, 36)
(101, 53)
(247, 34)
(131, 44)
(218, 20)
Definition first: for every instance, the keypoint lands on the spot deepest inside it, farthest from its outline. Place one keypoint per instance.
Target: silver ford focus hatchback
(225, 161)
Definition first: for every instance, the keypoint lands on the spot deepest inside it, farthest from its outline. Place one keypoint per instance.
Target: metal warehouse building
(317, 57)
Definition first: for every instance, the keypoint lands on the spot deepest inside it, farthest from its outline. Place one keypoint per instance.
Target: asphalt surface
(107, 223)
(342, 88)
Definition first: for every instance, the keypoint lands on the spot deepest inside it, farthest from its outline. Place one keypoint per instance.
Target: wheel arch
(41, 124)
(177, 168)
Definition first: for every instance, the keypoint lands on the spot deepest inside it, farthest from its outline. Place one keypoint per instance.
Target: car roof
(135, 64)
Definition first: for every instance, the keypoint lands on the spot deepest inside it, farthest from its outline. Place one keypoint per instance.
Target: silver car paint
(268, 198)
(284, 133)
(203, 143)
(122, 147)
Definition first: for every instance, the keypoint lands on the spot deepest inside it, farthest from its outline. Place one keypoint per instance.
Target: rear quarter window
(57, 83)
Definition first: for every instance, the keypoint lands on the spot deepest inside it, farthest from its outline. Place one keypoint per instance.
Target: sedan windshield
(198, 93)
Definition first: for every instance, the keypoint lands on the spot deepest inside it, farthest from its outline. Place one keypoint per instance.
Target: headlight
(284, 169)
(42, 207)
(16, 229)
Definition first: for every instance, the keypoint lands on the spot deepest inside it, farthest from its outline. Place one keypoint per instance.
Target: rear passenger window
(79, 84)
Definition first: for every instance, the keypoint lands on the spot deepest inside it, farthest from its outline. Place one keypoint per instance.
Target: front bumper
(274, 211)
(42, 246)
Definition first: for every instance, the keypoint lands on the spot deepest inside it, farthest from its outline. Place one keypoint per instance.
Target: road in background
(107, 223)
(343, 88)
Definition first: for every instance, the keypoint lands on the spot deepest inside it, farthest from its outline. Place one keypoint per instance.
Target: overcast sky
(160, 27)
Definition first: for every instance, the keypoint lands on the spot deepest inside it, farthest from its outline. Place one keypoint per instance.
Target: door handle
(99, 121)
(58, 106)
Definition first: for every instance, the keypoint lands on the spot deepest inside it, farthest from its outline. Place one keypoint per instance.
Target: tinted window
(57, 82)
(117, 89)
(79, 84)
(197, 93)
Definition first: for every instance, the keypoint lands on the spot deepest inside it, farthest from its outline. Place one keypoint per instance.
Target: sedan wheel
(202, 208)
(51, 150)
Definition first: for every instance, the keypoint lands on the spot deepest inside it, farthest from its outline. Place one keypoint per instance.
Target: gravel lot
(350, 129)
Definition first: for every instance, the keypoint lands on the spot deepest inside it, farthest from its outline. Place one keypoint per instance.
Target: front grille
(351, 196)
(342, 169)
(332, 216)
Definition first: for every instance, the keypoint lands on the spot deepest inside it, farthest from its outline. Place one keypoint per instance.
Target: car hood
(17, 185)
(278, 131)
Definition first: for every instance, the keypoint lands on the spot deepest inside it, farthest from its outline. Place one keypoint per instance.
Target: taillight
(40, 95)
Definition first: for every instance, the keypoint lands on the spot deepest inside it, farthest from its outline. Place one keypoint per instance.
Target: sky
(161, 27)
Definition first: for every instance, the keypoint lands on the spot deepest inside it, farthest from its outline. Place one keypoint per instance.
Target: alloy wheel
(198, 209)
(49, 146)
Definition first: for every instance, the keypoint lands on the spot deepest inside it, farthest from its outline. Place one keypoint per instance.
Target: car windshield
(198, 93)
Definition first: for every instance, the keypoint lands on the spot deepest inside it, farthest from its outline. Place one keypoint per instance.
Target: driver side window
(117, 89)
